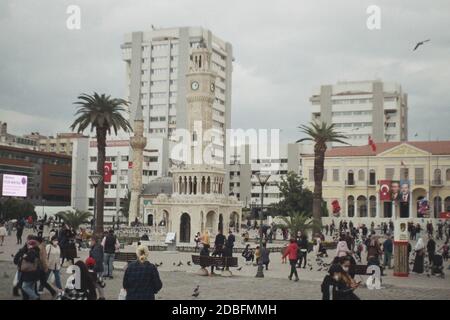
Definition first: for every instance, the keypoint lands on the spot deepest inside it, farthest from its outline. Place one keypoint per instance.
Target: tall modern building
(244, 165)
(157, 63)
(360, 109)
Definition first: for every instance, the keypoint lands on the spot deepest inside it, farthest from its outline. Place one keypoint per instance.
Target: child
(99, 284)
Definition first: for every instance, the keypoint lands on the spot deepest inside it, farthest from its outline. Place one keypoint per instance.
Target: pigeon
(320, 269)
(174, 263)
(188, 263)
(420, 43)
(239, 269)
(195, 294)
(179, 264)
(196, 289)
(428, 275)
(310, 268)
(160, 263)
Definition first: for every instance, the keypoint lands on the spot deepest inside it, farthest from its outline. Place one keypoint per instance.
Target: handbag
(27, 266)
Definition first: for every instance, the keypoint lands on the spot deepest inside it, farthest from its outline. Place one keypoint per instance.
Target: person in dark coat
(141, 279)
(328, 286)
(431, 249)
(96, 252)
(29, 270)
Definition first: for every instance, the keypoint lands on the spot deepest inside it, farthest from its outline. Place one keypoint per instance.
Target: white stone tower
(138, 143)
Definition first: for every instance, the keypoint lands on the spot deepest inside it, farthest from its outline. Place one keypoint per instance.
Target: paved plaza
(179, 281)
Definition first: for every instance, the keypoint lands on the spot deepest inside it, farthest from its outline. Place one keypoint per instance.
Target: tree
(74, 219)
(14, 208)
(125, 209)
(296, 198)
(101, 113)
(297, 221)
(320, 134)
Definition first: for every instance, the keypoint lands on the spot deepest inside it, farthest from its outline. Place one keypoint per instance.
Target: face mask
(55, 243)
(336, 277)
(345, 269)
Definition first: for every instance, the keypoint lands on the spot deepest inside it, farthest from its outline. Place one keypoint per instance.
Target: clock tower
(200, 98)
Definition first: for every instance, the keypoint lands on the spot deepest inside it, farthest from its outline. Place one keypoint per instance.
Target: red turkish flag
(108, 172)
(385, 190)
(372, 144)
(130, 164)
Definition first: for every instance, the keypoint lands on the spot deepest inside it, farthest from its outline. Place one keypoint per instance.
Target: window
(324, 175)
(404, 173)
(418, 175)
(93, 159)
(361, 175)
(335, 174)
(124, 158)
(389, 173)
(372, 177)
(350, 206)
(437, 176)
(311, 174)
(123, 172)
(350, 178)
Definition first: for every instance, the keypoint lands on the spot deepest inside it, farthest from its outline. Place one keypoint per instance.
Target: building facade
(363, 108)
(49, 174)
(62, 143)
(12, 140)
(243, 182)
(354, 176)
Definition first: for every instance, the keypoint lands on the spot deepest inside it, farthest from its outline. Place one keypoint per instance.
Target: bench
(125, 256)
(220, 262)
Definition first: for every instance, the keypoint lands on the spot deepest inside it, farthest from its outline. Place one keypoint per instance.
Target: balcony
(350, 183)
(437, 182)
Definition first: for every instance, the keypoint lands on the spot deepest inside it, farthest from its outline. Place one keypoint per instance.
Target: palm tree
(297, 221)
(101, 113)
(74, 219)
(320, 134)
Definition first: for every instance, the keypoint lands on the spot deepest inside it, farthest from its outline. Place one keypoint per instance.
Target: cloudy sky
(283, 50)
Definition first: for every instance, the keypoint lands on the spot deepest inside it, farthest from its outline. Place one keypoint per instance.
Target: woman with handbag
(419, 249)
(53, 256)
(29, 270)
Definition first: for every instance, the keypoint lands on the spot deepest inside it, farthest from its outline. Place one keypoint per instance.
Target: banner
(401, 230)
(404, 191)
(385, 190)
(395, 190)
(108, 172)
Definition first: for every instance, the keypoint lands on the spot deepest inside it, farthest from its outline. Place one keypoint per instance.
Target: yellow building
(352, 176)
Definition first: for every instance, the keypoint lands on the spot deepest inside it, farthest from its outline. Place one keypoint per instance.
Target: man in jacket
(431, 249)
(110, 246)
(387, 250)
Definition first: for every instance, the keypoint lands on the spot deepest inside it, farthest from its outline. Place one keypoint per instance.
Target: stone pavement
(179, 281)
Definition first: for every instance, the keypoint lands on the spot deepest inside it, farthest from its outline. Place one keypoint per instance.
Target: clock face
(212, 87)
(194, 85)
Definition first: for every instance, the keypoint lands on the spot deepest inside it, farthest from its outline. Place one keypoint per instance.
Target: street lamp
(262, 179)
(95, 180)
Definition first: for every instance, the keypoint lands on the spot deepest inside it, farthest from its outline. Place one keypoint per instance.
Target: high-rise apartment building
(156, 66)
(360, 109)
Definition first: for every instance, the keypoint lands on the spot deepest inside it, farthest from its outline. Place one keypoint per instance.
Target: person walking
(303, 247)
(265, 259)
(110, 245)
(43, 268)
(419, 249)
(445, 250)
(292, 254)
(3, 233)
(53, 256)
(230, 242)
(97, 254)
(29, 270)
(431, 248)
(219, 243)
(20, 225)
(374, 251)
(141, 279)
(387, 251)
(248, 254)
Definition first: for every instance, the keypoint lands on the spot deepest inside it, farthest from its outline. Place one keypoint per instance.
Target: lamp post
(95, 180)
(262, 179)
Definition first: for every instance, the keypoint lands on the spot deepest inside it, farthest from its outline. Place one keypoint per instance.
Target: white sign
(170, 237)
(14, 186)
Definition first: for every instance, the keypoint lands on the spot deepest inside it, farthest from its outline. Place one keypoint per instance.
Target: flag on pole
(372, 144)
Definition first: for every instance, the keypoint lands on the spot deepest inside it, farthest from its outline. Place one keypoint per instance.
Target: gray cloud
(283, 51)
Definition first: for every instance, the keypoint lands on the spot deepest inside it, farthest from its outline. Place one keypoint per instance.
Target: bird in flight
(239, 269)
(420, 43)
